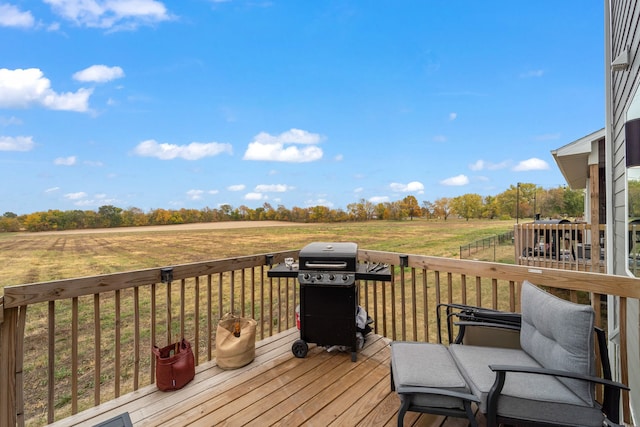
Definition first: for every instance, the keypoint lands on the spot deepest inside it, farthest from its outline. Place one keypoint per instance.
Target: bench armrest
(501, 370)
(612, 388)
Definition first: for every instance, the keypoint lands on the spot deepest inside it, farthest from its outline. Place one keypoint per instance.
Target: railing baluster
(209, 318)
(279, 304)
(136, 338)
(479, 291)
(463, 288)
(196, 320)
(403, 304)
(220, 308)
(118, 355)
(168, 313)
(393, 303)
(182, 307)
(51, 362)
(97, 354)
(425, 305)
(74, 355)
(494, 294)
(242, 293)
(154, 338)
(624, 360)
(414, 307)
(262, 302)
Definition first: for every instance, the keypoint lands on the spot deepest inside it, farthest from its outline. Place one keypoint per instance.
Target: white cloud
(319, 202)
(93, 163)
(22, 88)
(255, 196)
(456, 180)
(195, 194)
(272, 188)
(111, 14)
(483, 165)
(213, 191)
(379, 199)
(412, 187)
(99, 73)
(236, 187)
(453, 116)
(75, 196)
(52, 190)
(358, 190)
(281, 148)
(11, 16)
(532, 164)
(16, 143)
(339, 158)
(65, 161)
(8, 121)
(193, 151)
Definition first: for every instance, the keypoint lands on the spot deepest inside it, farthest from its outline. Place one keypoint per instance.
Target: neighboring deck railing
(570, 246)
(72, 344)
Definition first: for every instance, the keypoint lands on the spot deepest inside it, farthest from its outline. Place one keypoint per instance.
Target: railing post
(8, 329)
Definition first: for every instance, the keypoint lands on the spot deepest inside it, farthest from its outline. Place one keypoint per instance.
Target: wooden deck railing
(72, 344)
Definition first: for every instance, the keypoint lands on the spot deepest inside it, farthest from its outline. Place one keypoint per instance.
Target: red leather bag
(175, 365)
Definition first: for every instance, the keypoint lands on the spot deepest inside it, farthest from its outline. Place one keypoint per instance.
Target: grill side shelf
(383, 275)
(282, 270)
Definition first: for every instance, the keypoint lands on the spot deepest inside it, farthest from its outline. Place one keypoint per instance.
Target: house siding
(624, 17)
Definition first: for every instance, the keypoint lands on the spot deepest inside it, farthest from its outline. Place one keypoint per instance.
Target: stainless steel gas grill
(327, 273)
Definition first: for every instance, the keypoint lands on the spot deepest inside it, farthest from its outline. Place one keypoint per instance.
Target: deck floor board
(275, 389)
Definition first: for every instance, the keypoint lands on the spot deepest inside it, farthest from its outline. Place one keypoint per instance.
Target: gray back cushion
(559, 335)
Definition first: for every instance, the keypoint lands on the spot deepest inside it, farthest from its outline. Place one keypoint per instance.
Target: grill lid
(341, 256)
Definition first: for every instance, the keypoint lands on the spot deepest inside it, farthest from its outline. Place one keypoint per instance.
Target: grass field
(38, 257)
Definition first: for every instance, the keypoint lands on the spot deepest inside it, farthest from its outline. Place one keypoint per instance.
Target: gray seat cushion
(428, 367)
(558, 334)
(538, 398)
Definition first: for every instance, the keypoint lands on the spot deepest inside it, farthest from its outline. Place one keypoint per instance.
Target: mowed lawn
(39, 257)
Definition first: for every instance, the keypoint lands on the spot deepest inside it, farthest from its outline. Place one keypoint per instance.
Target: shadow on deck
(275, 389)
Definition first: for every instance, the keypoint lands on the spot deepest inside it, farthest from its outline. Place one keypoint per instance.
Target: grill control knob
(319, 277)
(306, 276)
(345, 277)
(332, 277)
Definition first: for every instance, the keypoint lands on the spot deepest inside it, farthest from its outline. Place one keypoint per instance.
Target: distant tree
(9, 224)
(490, 209)
(411, 207)
(634, 199)
(110, 216)
(573, 202)
(467, 206)
(442, 208)
(427, 209)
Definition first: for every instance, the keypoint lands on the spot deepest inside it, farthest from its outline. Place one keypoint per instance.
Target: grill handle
(332, 266)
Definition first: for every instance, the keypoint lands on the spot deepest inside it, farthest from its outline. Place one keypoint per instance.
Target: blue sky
(196, 103)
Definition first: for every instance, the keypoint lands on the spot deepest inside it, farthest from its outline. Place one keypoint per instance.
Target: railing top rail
(20, 295)
(622, 286)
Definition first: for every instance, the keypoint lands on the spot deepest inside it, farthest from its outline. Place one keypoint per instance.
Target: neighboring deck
(277, 388)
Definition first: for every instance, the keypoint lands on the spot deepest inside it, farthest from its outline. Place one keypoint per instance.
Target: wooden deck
(275, 389)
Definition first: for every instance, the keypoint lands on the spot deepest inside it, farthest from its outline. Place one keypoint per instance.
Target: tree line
(522, 200)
